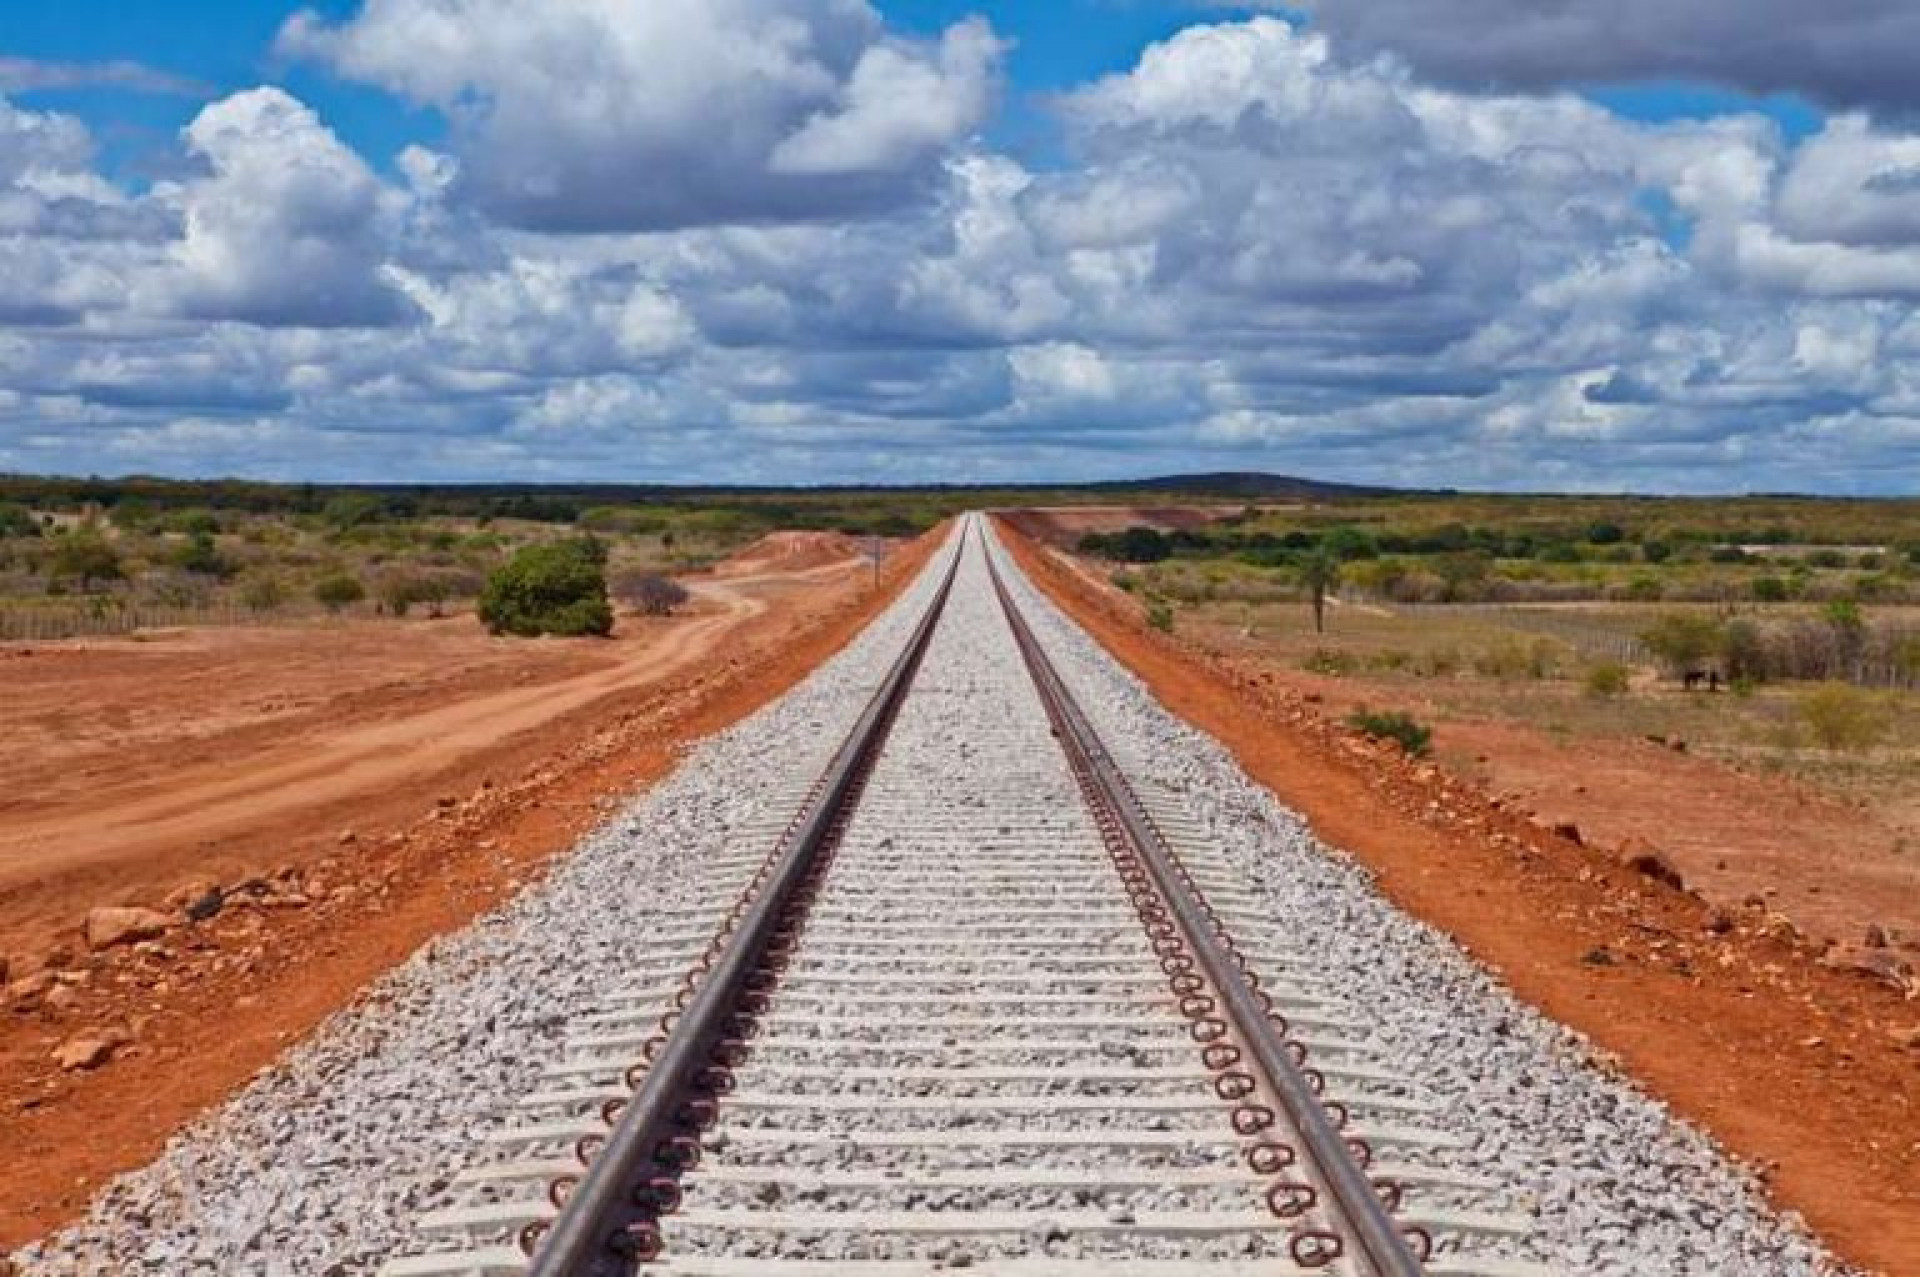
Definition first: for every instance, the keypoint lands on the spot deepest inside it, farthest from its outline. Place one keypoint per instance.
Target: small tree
(338, 591)
(200, 556)
(559, 587)
(86, 555)
(1320, 573)
(17, 521)
(1683, 640)
(650, 593)
(263, 593)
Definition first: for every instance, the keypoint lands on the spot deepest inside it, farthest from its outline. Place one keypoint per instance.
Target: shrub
(1841, 717)
(263, 593)
(199, 556)
(650, 593)
(1413, 736)
(338, 591)
(1770, 589)
(399, 591)
(559, 587)
(17, 521)
(1160, 615)
(85, 554)
(1682, 640)
(1607, 679)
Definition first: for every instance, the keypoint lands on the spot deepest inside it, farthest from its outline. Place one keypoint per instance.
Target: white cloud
(646, 114)
(287, 227)
(1251, 250)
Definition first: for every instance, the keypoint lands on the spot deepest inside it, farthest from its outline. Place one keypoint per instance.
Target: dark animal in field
(1694, 679)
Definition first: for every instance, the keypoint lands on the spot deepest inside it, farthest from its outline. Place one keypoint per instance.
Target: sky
(1486, 244)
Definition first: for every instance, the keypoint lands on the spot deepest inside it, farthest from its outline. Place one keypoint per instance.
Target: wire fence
(1583, 636)
(104, 619)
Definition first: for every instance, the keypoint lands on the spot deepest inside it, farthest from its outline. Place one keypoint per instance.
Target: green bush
(1770, 589)
(338, 591)
(1682, 640)
(1841, 717)
(1413, 736)
(17, 521)
(1607, 679)
(199, 556)
(559, 587)
(1160, 615)
(86, 554)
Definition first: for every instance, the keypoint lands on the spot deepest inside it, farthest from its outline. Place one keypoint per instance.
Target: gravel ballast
(324, 1163)
(1616, 1183)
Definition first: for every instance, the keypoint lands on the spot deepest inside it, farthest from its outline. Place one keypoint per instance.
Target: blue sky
(957, 239)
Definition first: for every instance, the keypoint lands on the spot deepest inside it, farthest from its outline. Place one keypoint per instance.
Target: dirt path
(308, 920)
(138, 817)
(1810, 1074)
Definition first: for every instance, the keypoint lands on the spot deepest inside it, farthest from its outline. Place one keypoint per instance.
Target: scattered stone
(27, 992)
(1571, 832)
(1908, 1037)
(208, 906)
(1719, 921)
(1877, 938)
(112, 925)
(1880, 964)
(1599, 957)
(348, 837)
(1650, 862)
(90, 1049)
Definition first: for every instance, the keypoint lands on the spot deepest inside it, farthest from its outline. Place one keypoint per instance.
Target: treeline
(1590, 543)
(1475, 563)
(644, 509)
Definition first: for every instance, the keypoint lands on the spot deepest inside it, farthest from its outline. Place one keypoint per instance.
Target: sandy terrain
(1810, 1072)
(135, 765)
(471, 763)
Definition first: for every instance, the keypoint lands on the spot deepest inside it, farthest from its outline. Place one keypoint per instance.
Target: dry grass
(1465, 666)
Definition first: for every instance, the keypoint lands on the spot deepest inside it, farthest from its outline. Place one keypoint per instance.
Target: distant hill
(1243, 485)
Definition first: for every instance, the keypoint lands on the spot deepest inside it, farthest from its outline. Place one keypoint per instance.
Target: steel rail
(1357, 1204)
(589, 1236)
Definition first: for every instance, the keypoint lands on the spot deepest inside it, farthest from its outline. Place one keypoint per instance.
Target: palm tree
(1320, 572)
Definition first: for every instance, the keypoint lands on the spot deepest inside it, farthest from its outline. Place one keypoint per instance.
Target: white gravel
(322, 1165)
(1618, 1184)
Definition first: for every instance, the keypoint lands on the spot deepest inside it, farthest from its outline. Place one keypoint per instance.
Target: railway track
(986, 1001)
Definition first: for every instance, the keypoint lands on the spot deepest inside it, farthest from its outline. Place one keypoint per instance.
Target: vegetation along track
(980, 1006)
